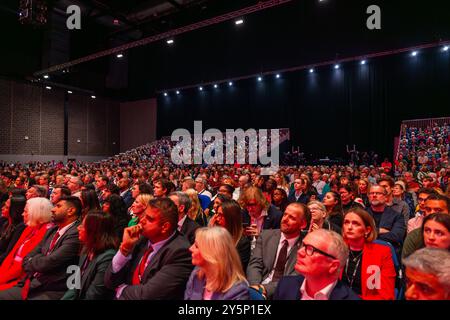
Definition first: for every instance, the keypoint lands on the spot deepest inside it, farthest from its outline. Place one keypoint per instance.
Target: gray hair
(431, 261)
(378, 186)
(319, 204)
(79, 182)
(40, 190)
(337, 246)
(39, 211)
(183, 199)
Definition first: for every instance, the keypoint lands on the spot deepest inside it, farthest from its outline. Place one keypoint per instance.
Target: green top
(134, 221)
(413, 242)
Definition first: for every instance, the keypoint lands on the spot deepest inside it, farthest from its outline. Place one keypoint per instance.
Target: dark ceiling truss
(165, 35)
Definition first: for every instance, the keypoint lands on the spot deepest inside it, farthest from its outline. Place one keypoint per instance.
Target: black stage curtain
(325, 110)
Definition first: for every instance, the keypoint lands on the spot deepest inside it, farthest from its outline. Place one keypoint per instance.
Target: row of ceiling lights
(311, 70)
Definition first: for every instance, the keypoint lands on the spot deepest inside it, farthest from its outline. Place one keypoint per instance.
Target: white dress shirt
(119, 261)
(291, 243)
(322, 294)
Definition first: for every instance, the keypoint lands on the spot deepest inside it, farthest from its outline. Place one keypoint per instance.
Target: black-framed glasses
(309, 249)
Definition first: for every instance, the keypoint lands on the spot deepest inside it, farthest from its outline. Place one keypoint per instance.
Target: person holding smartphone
(258, 212)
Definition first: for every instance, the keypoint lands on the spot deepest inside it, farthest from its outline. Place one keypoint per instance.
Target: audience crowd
(138, 227)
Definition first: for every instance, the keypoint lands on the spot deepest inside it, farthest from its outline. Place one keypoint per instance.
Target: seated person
(319, 217)
(153, 261)
(186, 226)
(229, 217)
(258, 213)
(275, 253)
(433, 204)
(218, 274)
(359, 232)
(320, 261)
(428, 274)
(13, 225)
(37, 216)
(46, 266)
(100, 242)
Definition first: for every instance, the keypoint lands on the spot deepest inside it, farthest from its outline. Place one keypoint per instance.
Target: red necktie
(52, 244)
(26, 286)
(139, 271)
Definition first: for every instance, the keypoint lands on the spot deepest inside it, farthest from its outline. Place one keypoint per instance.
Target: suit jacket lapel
(86, 272)
(339, 292)
(271, 249)
(49, 239)
(292, 258)
(155, 258)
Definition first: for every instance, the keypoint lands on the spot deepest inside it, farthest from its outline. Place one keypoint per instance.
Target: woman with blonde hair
(196, 212)
(138, 207)
(363, 190)
(258, 213)
(37, 216)
(218, 273)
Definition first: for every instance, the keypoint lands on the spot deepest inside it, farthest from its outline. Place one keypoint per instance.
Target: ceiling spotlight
(363, 62)
(259, 78)
(46, 76)
(165, 94)
(215, 86)
(414, 53)
(200, 88)
(311, 70)
(336, 66)
(120, 55)
(93, 97)
(177, 92)
(230, 83)
(48, 88)
(170, 41)
(69, 92)
(445, 48)
(239, 21)
(277, 76)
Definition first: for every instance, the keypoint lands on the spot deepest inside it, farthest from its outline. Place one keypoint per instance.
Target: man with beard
(275, 253)
(390, 223)
(46, 266)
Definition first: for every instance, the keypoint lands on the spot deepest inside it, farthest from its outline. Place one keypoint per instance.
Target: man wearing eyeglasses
(416, 222)
(319, 262)
(390, 223)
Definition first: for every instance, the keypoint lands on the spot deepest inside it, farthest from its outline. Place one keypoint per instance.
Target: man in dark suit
(46, 266)
(258, 213)
(320, 261)
(186, 226)
(125, 192)
(153, 261)
(275, 253)
(390, 223)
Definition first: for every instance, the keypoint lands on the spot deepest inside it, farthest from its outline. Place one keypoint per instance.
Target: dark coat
(165, 276)
(51, 268)
(263, 258)
(289, 289)
(272, 220)
(92, 279)
(188, 229)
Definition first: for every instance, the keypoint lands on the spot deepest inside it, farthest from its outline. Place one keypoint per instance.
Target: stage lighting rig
(33, 12)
